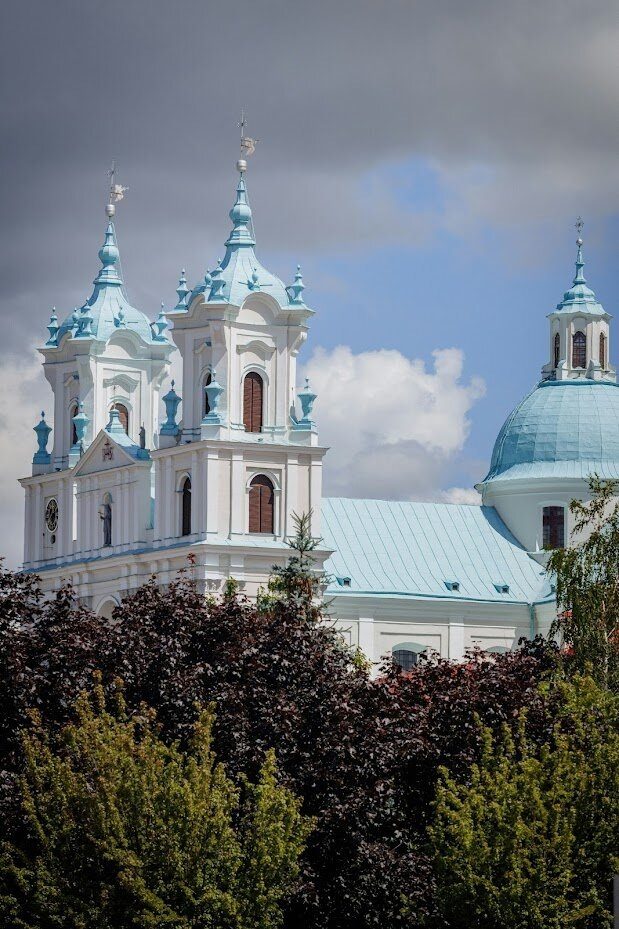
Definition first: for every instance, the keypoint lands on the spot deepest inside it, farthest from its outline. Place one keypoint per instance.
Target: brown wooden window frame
(124, 419)
(261, 505)
(553, 526)
(253, 401)
(579, 349)
(603, 351)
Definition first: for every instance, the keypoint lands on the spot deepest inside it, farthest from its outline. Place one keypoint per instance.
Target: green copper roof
(562, 429)
(580, 297)
(240, 273)
(433, 550)
(107, 309)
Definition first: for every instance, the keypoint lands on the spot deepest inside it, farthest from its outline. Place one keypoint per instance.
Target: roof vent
(452, 585)
(343, 581)
(502, 588)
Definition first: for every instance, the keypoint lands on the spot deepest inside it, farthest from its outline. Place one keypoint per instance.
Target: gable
(104, 454)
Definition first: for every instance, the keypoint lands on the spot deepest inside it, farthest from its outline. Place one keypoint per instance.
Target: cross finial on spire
(117, 191)
(579, 226)
(248, 145)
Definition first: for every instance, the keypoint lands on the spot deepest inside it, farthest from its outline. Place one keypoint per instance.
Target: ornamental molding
(123, 380)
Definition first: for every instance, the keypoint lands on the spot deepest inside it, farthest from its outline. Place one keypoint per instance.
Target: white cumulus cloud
(392, 425)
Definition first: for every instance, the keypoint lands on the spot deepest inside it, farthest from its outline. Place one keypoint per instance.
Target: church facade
(145, 477)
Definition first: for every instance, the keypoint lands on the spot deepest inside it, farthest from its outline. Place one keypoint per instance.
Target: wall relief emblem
(108, 452)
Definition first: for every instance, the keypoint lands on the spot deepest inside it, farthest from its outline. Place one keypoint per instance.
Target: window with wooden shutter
(123, 415)
(253, 391)
(261, 505)
(602, 350)
(186, 507)
(557, 350)
(206, 407)
(579, 350)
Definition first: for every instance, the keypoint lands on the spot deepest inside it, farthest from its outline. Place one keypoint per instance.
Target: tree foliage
(363, 754)
(529, 841)
(123, 830)
(587, 576)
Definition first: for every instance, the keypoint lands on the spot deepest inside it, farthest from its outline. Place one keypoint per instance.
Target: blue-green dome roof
(562, 429)
(107, 309)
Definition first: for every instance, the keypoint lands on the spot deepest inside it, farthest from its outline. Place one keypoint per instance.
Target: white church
(127, 490)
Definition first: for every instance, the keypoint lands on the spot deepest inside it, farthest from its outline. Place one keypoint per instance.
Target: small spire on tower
(579, 277)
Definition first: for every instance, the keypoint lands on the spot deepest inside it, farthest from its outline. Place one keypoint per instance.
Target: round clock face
(51, 515)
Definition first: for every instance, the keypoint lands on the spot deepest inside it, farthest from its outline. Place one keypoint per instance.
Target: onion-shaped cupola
(107, 309)
(240, 273)
(579, 331)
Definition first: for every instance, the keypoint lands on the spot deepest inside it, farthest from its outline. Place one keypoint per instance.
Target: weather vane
(248, 145)
(117, 191)
(579, 225)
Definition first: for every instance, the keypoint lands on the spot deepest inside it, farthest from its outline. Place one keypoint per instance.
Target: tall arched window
(557, 350)
(106, 517)
(206, 407)
(253, 392)
(186, 507)
(579, 350)
(602, 350)
(73, 431)
(261, 505)
(553, 526)
(123, 415)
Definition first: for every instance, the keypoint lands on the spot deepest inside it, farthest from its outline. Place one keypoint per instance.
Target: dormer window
(452, 585)
(579, 350)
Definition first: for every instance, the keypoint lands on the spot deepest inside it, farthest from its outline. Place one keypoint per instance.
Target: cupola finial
(248, 146)
(117, 192)
(579, 277)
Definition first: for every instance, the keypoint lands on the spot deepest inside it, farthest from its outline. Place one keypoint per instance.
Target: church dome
(562, 429)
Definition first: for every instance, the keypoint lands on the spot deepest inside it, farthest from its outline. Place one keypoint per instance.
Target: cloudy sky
(424, 161)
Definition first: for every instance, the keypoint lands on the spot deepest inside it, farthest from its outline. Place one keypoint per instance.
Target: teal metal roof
(240, 273)
(580, 298)
(562, 429)
(107, 309)
(435, 550)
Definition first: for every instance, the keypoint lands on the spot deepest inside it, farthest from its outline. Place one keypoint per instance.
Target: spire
(240, 214)
(579, 277)
(182, 290)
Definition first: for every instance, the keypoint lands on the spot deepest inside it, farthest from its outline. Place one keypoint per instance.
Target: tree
(123, 830)
(529, 841)
(587, 577)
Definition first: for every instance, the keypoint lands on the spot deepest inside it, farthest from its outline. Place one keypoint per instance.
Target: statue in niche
(105, 513)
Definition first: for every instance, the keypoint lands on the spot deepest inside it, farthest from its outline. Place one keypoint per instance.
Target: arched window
(579, 350)
(186, 507)
(106, 517)
(123, 415)
(557, 349)
(206, 407)
(407, 654)
(73, 431)
(261, 505)
(602, 350)
(553, 525)
(253, 391)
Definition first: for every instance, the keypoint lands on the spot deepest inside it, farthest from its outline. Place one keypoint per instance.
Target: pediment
(104, 454)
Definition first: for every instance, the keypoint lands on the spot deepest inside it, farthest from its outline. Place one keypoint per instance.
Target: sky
(424, 162)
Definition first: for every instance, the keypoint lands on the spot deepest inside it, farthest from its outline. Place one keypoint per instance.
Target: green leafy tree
(126, 831)
(529, 841)
(587, 577)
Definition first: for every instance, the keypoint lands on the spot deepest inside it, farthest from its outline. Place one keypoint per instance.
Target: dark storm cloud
(333, 89)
